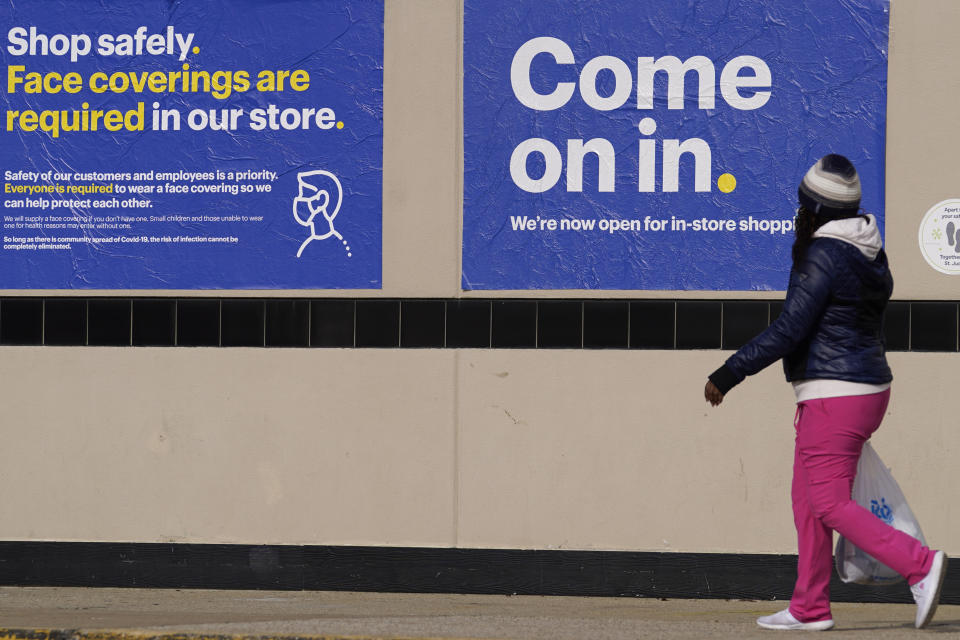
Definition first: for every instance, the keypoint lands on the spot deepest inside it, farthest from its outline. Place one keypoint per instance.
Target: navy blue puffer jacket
(831, 326)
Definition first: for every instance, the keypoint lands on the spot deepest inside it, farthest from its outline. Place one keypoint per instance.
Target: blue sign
(212, 144)
(656, 144)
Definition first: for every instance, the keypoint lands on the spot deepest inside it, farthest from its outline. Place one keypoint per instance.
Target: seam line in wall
(629, 324)
(583, 322)
(909, 326)
(490, 332)
(456, 447)
(536, 324)
(676, 313)
(722, 304)
(309, 323)
(458, 147)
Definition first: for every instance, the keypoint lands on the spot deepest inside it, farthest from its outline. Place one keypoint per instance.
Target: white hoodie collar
(863, 234)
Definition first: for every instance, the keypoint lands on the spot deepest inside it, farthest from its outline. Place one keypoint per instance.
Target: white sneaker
(926, 593)
(784, 620)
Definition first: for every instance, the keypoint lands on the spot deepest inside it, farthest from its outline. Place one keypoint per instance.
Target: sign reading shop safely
(656, 144)
(215, 144)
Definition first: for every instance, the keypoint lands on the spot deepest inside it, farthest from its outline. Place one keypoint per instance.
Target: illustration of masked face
(306, 208)
(319, 192)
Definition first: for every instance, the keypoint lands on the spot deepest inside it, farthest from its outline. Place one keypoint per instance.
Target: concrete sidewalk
(134, 614)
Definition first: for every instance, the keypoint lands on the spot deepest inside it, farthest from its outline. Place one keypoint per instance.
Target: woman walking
(829, 335)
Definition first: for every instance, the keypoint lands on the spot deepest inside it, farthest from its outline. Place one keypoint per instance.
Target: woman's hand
(712, 394)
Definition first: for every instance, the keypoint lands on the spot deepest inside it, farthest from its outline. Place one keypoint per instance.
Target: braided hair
(804, 226)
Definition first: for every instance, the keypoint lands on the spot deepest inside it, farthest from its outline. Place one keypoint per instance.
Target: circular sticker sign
(940, 237)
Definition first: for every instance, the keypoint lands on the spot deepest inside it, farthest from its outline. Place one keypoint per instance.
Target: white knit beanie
(831, 188)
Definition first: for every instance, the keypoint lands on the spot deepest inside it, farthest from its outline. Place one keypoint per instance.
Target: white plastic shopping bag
(875, 489)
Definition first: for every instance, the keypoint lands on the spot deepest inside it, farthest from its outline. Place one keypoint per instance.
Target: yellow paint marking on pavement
(33, 634)
(72, 634)
(128, 635)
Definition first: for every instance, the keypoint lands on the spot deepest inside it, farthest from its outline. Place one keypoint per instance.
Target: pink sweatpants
(830, 436)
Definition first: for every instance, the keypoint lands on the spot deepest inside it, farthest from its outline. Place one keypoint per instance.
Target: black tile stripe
(422, 323)
(242, 323)
(699, 324)
(468, 324)
(198, 322)
(287, 323)
(333, 323)
(775, 309)
(606, 324)
(154, 322)
(65, 321)
(896, 326)
(433, 323)
(559, 324)
(425, 570)
(514, 324)
(653, 324)
(933, 326)
(21, 321)
(742, 321)
(378, 323)
(108, 322)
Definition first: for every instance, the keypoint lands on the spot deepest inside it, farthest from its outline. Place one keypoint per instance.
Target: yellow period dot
(196, 49)
(339, 125)
(727, 183)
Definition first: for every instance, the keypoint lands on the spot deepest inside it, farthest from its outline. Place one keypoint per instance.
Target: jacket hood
(863, 234)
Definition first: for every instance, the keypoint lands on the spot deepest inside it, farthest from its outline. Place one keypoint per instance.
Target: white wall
(472, 448)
